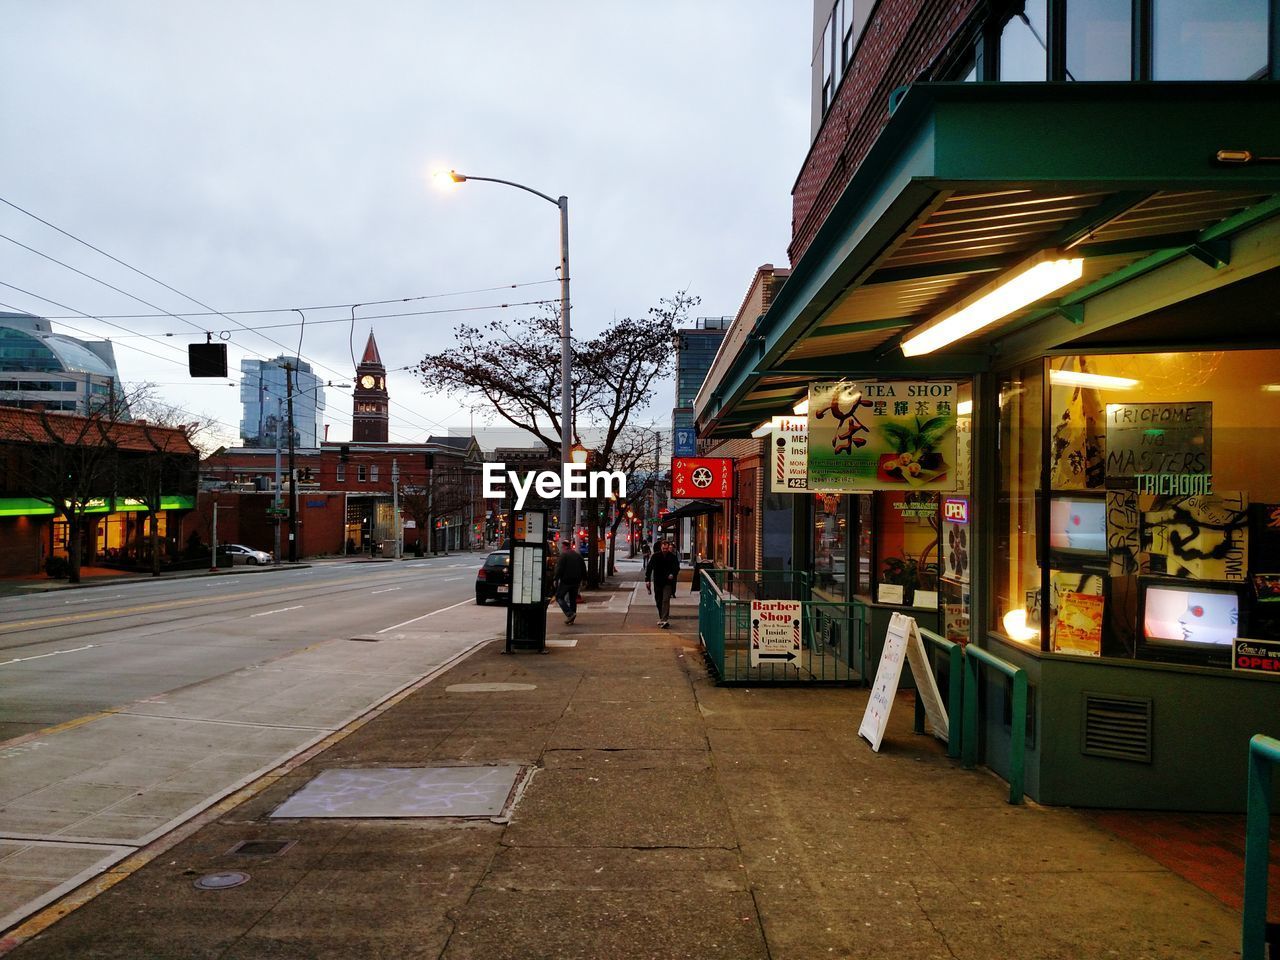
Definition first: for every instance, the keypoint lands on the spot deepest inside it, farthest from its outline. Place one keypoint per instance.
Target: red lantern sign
(704, 478)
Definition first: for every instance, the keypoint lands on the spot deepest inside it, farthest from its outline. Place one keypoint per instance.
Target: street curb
(39, 587)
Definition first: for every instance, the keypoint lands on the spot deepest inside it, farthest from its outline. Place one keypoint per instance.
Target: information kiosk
(527, 611)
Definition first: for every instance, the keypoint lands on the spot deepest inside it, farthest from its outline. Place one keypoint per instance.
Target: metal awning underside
(966, 182)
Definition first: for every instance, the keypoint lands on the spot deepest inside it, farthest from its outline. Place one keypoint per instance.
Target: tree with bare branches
(515, 368)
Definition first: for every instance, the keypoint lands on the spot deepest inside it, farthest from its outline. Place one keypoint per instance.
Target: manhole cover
(403, 792)
(260, 848)
(221, 881)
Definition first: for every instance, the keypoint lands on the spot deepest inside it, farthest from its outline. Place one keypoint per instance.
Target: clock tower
(370, 405)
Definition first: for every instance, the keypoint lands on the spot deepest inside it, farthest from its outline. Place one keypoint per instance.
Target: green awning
(968, 180)
(32, 507)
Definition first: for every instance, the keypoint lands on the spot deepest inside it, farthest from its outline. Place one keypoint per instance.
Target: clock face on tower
(367, 382)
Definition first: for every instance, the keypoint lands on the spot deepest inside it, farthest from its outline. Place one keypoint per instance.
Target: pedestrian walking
(660, 575)
(571, 570)
(646, 551)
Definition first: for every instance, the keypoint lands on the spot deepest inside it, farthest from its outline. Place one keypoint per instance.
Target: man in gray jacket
(661, 573)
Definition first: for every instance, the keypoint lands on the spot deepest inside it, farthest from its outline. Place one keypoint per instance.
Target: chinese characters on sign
(883, 435)
(707, 478)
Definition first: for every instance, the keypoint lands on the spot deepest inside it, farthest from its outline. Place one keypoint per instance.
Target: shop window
(1209, 39)
(1016, 576)
(1024, 45)
(1159, 523)
(1099, 44)
(863, 553)
(907, 529)
(830, 545)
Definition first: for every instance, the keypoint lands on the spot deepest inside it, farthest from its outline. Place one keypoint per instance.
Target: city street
(129, 708)
(69, 653)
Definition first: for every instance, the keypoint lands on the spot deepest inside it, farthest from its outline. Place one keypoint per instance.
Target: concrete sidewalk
(657, 815)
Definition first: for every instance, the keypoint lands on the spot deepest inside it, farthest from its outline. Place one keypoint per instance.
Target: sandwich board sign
(902, 642)
(775, 632)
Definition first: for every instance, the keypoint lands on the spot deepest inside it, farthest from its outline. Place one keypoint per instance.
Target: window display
(1160, 535)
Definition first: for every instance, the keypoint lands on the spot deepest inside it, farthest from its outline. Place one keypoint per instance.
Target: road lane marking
(114, 596)
(267, 613)
(425, 615)
(388, 590)
(87, 646)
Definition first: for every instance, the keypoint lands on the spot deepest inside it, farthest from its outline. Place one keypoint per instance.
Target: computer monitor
(1190, 616)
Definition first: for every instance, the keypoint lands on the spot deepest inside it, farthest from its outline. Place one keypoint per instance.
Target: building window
(373, 473)
(1209, 39)
(361, 474)
(828, 66)
(1024, 52)
(1017, 567)
(1099, 40)
(342, 473)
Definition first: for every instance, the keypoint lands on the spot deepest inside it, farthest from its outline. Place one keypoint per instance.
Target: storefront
(1107, 518)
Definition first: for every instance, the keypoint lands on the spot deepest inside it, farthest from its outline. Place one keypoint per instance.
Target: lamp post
(566, 366)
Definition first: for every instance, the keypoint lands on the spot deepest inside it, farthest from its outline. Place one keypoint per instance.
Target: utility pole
(293, 477)
(395, 505)
(214, 535)
(276, 503)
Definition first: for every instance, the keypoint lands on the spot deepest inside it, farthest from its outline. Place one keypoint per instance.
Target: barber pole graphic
(789, 442)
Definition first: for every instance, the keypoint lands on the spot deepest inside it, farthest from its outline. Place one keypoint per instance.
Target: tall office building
(40, 368)
(264, 396)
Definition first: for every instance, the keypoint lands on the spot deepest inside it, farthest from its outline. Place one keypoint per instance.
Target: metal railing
(955, 690)
(973, 658)
(1255, 932)
(835, 633)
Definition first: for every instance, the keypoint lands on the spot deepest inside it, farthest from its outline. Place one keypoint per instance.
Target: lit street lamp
(566, 396)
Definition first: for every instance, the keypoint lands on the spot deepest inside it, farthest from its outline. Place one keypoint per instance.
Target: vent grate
(1117, 727)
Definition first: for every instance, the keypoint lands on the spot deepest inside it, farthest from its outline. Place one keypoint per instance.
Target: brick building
(345, 497)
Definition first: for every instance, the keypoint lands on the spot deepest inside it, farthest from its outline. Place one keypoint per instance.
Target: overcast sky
(270, 155)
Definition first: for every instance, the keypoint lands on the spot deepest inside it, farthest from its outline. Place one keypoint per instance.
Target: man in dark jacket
(661, 574)
(571, 570)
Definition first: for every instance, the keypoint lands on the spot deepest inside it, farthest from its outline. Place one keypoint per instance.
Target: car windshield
(498, 560)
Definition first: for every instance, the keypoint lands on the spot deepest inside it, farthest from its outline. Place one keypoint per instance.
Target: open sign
(956, 511)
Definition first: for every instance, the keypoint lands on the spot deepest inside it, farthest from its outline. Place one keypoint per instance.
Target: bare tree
(515, 367)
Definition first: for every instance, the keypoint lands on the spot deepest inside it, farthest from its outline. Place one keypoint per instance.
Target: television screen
(1078, 526)
(1190, 615)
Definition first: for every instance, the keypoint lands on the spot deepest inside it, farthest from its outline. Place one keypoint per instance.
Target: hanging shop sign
(685, 442)
(1256, 656)
(1162, 448)
(789, 455)
(882, 435)
(702, 478)
(775, 631)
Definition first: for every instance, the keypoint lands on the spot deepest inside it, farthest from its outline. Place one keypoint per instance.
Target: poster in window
(882, 435)
(1078, 450)
(1123, 542)
(1158, 440)
(1077, 611)
(1198, 537)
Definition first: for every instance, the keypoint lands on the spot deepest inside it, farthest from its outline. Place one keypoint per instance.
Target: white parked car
(242, 554)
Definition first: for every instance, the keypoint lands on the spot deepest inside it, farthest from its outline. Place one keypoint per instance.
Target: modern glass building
(696, 347)
(264, 395)
(40, 368)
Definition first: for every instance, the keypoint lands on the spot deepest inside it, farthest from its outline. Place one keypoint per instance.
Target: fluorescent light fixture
(1070, 378)
(1271, 387)
(964, 408)
(801, 409)
(763, 430)
(1036, 278)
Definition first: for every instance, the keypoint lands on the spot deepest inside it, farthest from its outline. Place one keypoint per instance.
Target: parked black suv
(493, 579)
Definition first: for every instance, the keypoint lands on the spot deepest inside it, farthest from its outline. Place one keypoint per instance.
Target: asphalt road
(70, 653)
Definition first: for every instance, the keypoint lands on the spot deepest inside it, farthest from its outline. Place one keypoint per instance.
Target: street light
(566, 397)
